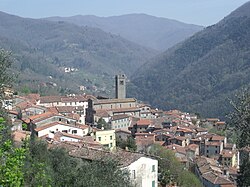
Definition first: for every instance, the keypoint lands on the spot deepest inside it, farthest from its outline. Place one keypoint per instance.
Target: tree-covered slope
(199, 74)
(43, 48)
(153, 32)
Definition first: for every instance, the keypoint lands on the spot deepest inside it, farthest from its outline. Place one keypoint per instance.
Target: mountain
(42, 49)
(153, 32)
(201, 73)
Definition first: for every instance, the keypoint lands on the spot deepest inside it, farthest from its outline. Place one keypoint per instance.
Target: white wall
(144, 175)
(68, 139)
(60, 128)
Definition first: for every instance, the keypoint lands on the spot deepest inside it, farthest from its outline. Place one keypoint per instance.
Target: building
(228, 158)
(55, 127)
(143, 171)
(140, 126)
(121, 121)
(120, 86)
(106, 138)
(213, 148)
(111, 107)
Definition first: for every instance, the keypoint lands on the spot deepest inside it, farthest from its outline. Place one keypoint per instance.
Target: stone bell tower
(120, 86)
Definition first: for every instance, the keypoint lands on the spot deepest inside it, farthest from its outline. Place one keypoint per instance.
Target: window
(111, 145)
(65, 131)
(153, 168)
(153, 183)
(74, 131)
(111, 137)
(207, 151)
(216, 151)
(99, 138)
(133, 174)
(121, 82)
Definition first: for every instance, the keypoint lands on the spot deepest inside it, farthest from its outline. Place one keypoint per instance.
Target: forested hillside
(153, 32)
(42, 49)
(200, 74)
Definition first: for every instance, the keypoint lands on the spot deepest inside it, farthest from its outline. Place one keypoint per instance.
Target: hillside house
(54, 127)
(106, 138)
(121, 121)
(143, 169)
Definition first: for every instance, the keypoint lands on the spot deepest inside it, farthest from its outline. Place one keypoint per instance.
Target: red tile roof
(41, 116)
(143, 122)
(217, 138)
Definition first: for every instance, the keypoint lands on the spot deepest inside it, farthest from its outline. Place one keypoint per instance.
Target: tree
(130, 143)
(171, 170)
(5, 78)
(103, 124)
(11, 158)
(240, 119)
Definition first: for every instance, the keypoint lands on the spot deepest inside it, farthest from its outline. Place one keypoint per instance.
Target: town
(90, 128)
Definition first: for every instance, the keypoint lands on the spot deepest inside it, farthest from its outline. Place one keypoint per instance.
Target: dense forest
(200, 74)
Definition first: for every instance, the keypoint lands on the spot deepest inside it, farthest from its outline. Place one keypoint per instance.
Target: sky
(200, 12)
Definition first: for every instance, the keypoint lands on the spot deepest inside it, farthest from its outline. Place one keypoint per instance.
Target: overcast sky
(201, 12)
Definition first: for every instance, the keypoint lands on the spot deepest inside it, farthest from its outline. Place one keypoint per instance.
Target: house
(144, 140)
(140, 126)
(213, 148)
(210, 174)
(33, 110)
(121, 121)
(71, 100)
(184, 132)
(79, 111)
(122, 134)
(145, 111)
(163, 135)
(180, 152)
(143, 170)
(179, 140)
(228, 158)
(101, 114)
(220, 125)
(57, 126)
(106, 138)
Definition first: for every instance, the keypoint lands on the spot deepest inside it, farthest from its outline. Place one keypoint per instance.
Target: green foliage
(129, 144)
(24, 126)
(36, 170)
(11, 159)
(103, 124)
(240, 119)
(5, 63)
(171, 170)
(215, 131)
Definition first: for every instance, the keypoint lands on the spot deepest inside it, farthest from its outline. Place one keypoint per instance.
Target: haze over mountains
(200, 74)
(149, 31)
(43, 48)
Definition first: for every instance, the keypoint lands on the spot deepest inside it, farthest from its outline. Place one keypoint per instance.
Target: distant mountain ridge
(44, 48)
(149, 31)
(200, 74)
